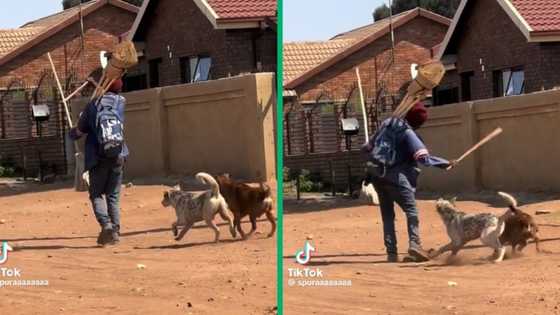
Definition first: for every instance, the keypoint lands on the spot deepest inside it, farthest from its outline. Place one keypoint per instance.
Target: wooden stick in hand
(489, 137)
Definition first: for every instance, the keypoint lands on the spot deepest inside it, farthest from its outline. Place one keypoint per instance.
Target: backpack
(109, 127)
(383, 156)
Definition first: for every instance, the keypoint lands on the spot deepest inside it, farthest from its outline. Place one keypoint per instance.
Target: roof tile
(541, 15)
(302, 56)
(243, 9)
(367, 30)
(12, 38)
(56, 18)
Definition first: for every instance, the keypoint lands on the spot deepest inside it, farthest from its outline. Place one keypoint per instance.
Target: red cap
(116, 87)
(417, 115)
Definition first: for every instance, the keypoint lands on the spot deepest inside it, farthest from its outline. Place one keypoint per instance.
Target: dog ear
(166, 194)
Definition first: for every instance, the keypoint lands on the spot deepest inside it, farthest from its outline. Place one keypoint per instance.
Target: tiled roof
(367, 30)
(56, 18)
(9, 39)
(223, 14)
(302, 56)
(541, 15)
(243, 9)
(538, 20)
(303, 60)
(15, 41)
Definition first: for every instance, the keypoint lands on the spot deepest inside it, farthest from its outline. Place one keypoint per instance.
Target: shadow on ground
(312, 202)
(346, 259)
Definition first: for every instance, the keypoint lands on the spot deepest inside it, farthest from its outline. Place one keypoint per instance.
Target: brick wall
(102, 28)
(413, 43)
(232, 51)
(487, 34)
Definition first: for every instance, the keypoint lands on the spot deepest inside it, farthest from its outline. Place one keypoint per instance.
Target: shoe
(392, 258)
(418, 254)
(106, 235)
(116, 238)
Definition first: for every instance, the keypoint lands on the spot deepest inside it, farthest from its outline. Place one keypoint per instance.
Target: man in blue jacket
(397, 184)
(105, 171)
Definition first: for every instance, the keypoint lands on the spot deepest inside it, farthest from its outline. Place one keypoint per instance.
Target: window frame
(188, 75)
(501, 88)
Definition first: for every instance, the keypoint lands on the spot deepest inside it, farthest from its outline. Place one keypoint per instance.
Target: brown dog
(520, 227)
(245, 200)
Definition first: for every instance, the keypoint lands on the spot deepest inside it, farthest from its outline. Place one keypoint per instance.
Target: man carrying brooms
(105, 151)
(393, 155)
(395, 181)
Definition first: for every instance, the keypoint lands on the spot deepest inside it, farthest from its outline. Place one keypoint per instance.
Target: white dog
(369, 194)
(191, 207)
(463, 228)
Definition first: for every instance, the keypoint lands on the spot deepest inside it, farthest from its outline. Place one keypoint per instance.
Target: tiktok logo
(303, 256)
(5, 249)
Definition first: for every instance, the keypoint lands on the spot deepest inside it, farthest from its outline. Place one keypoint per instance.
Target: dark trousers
(104, 192)
(389, 194)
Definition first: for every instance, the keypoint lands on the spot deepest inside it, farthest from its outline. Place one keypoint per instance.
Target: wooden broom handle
(480, 143)
(60, 91)
(362, 102)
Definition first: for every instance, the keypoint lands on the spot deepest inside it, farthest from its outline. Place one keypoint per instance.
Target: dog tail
(206, 178)
(512, 203)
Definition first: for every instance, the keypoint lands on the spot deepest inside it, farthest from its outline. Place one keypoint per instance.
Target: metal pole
(349, 164)
(297, 187)
(41, 175)
(333, 178)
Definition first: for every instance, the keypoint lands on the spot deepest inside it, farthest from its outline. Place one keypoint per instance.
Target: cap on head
(116, 86)
(417, 115)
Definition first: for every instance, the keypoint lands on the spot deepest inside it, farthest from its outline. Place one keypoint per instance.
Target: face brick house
(184, 41)
(498, 48)
(320, 85)
(26, 76)
(23, 50)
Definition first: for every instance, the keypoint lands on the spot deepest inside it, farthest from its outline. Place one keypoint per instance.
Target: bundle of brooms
(428, 77)
(122, 58)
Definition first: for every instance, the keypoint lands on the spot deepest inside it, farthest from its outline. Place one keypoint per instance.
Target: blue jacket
(410, 152)
(87, 125)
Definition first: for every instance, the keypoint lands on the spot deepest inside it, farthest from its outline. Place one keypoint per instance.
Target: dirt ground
(348, 240)
(55, 232)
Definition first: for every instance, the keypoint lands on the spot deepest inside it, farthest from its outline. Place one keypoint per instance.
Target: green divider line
(280, 164)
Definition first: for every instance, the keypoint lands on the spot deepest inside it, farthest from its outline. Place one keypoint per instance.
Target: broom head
(124, 56)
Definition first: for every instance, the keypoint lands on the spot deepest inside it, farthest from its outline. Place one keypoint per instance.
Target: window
(154, 72)
(195, 68)
(509, 82)
(445, 96)
(466, 78)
